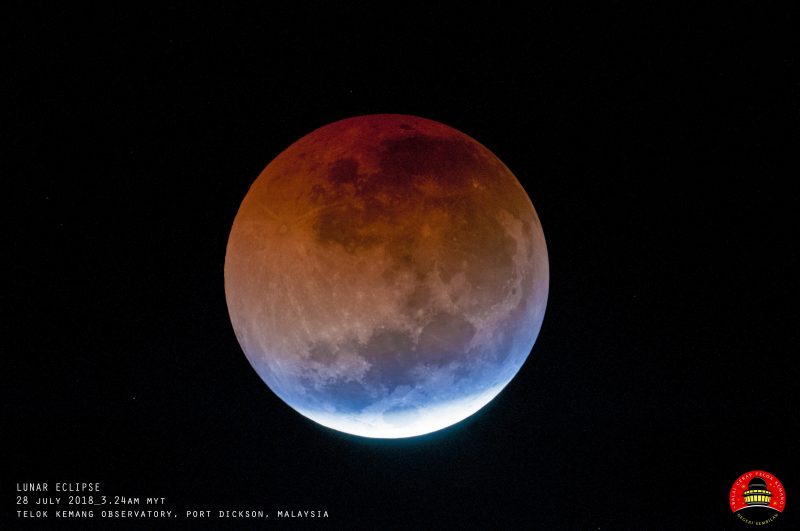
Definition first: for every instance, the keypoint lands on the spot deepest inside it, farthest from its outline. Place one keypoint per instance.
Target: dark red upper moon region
(386, 275)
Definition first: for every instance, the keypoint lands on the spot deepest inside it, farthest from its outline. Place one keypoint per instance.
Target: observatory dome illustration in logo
(757, 497)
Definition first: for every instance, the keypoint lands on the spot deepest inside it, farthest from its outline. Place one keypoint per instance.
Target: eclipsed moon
(386, 276)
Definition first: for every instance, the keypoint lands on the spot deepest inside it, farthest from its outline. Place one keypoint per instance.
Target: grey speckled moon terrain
(386, 276)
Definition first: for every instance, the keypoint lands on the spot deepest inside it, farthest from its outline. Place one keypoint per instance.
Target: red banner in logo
(757, 489)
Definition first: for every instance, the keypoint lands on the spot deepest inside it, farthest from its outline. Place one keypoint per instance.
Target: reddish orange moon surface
(386, 275)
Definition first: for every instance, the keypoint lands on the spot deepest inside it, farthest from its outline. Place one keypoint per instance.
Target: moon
(386, 276)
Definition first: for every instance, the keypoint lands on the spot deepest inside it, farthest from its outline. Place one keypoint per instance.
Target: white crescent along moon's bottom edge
(430, 419)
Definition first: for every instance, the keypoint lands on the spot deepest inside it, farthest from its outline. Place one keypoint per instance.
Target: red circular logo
(757, 493)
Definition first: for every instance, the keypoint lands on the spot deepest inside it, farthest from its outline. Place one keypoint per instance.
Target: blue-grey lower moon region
(386, 276)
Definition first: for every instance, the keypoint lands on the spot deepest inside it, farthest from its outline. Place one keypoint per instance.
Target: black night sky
(657, 147)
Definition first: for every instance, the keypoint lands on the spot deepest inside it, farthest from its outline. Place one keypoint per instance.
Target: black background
(653, 144)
